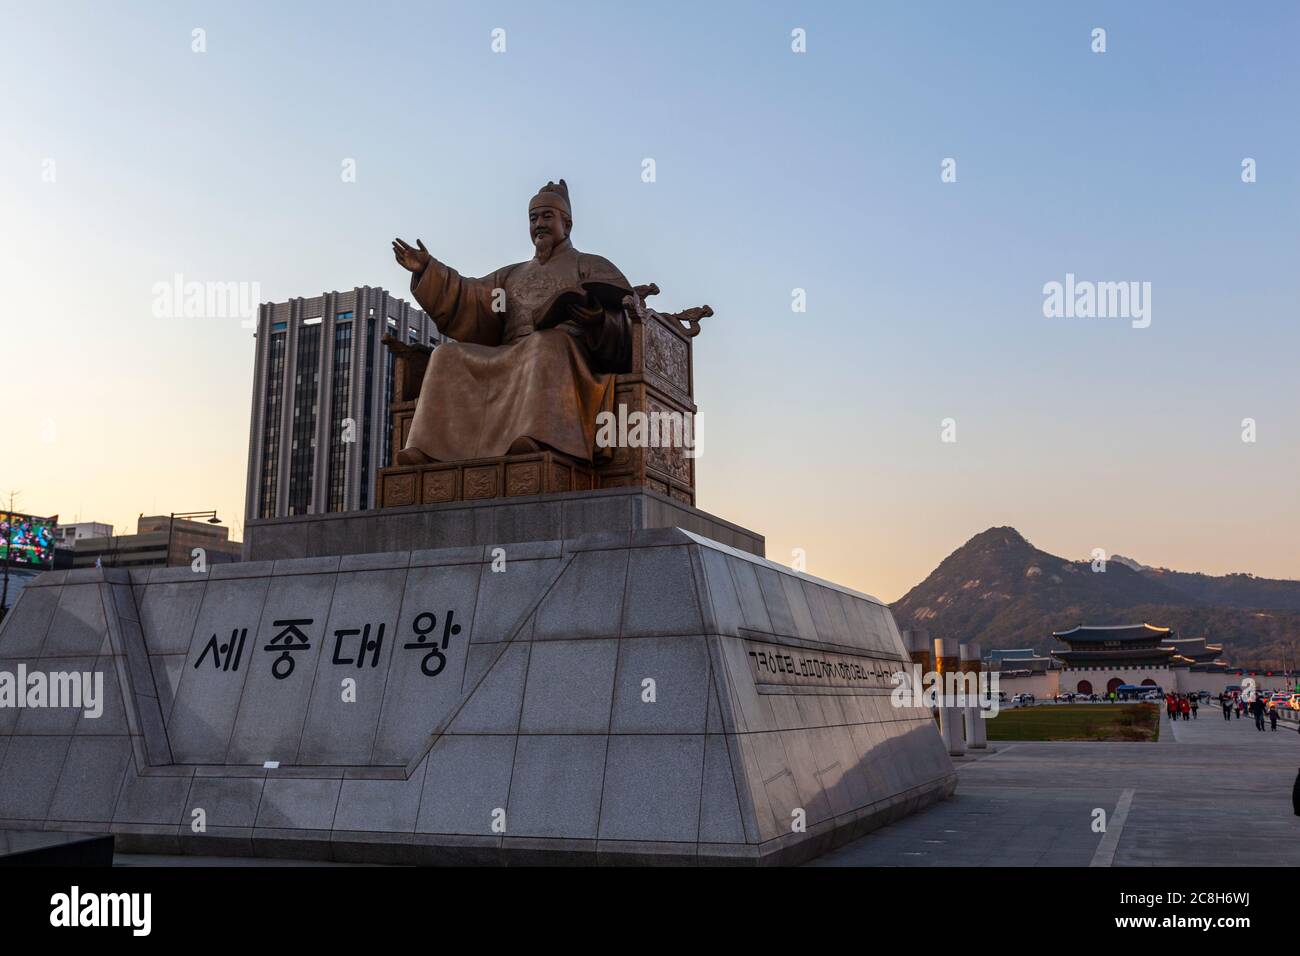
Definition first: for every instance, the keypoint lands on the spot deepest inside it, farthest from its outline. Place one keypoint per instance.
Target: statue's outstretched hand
(410, 258)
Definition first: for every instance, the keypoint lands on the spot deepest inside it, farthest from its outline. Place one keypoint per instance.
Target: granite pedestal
(458, 524)
(633, 696)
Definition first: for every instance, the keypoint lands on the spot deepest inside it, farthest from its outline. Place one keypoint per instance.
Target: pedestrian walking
(1272, 718)
(1196, 702)
(1226, 703)
(1185, 708)
(1257, 711)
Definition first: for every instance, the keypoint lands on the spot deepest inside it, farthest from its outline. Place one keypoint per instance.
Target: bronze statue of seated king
(536, 346)
(538, 351)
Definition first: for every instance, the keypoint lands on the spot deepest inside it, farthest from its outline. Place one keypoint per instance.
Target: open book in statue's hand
(584, 304)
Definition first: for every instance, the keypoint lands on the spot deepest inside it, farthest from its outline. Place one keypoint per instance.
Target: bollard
(918, 647)
(947, 655)
(976, 738)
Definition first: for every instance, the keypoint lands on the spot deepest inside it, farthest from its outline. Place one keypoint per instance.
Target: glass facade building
(322, 384)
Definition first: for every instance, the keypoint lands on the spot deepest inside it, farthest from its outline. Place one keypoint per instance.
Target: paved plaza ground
(1209, 793)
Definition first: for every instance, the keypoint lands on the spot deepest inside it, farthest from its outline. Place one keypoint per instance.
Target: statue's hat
(553, 194)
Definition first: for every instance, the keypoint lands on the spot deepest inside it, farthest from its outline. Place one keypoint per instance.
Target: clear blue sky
(775, 170)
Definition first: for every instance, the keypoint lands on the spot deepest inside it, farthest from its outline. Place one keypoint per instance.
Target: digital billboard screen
(27, 541)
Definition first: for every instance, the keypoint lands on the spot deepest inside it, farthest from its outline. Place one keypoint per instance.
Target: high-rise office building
(323, 382)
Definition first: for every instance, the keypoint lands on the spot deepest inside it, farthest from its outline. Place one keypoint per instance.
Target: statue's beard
(544, 243)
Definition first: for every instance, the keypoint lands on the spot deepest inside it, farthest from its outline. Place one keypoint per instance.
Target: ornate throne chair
(659, 384)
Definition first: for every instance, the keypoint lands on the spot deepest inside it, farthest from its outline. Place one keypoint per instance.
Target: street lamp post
(171, 522)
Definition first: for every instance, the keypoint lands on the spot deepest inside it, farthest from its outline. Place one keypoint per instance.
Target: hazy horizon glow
(775, 171)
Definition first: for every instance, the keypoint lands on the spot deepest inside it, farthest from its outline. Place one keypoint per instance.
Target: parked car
(1023, 699)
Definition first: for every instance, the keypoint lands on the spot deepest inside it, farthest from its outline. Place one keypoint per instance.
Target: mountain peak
(1005, 536)
(1130, 563)
(999, 589)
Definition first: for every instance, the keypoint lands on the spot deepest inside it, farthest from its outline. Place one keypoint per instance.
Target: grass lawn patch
(1076, 722)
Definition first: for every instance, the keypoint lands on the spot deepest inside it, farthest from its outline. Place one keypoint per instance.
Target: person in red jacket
(1185, 708)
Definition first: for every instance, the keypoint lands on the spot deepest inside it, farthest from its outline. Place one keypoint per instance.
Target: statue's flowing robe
(528, 371)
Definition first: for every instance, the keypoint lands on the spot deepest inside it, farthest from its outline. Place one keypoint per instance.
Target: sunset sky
(775, 170)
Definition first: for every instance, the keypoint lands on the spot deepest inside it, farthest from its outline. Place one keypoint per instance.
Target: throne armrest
(409, 363)
(687, 321)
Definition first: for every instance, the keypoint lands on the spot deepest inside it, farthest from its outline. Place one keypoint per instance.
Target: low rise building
(1100, 659)
(67, 535)
(1198, 655)
(159, 541)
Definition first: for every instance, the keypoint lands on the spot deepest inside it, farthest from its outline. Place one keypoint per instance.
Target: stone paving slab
(1210, 793)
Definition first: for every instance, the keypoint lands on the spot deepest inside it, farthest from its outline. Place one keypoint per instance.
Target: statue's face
(546, 226)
